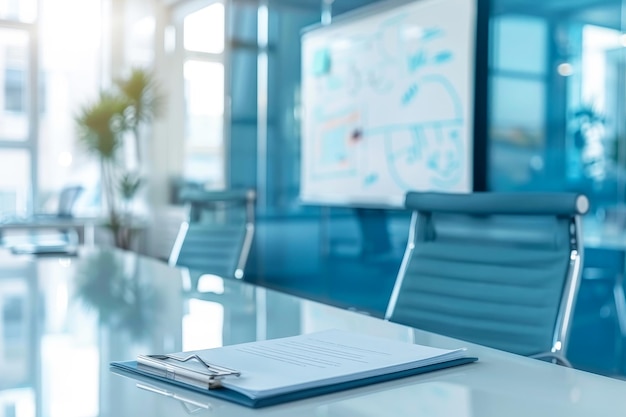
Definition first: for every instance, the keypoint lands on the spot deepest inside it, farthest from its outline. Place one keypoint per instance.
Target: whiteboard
(387, 103)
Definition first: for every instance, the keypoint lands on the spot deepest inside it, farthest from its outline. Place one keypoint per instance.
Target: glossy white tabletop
(65, 319)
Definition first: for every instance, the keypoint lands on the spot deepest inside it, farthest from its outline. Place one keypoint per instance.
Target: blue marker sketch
(389, 38)
(432, 33)
(433, 161)
(442, 57)
(370, 179)
(409, 152)
(449, 93)
(412, 155)
(321, 62)
(409, 94)
(378, 81)
(436, 145)
(417, 61)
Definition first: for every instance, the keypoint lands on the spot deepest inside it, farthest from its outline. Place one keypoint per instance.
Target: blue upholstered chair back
(217, 236)
(500, 270)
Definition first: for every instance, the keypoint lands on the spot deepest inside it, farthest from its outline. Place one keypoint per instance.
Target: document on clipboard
(274, 371)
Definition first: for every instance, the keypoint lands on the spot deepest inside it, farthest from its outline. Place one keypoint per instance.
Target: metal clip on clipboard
(170, 370)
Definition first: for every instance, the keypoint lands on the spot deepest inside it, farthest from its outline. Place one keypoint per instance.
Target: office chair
(496, 269)
(217, 236)
(65, 206)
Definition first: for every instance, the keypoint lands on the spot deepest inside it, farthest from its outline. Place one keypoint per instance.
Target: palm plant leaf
(101, 123)
(129, 184)
(143, 92)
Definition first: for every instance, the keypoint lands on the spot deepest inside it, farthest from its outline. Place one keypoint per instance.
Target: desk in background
(69, 317)
(84, 227)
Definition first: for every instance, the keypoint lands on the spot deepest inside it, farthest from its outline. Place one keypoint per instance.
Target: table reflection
(125, 299)
(63, 320)
(18, 342)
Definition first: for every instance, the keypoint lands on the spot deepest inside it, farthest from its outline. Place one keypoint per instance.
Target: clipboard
(238, 398)
(235, 385)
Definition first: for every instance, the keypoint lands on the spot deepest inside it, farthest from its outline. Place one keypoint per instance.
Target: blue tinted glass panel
(243, 23)
(243, 86)
(517, 133)
(520, 44)
(518, 105)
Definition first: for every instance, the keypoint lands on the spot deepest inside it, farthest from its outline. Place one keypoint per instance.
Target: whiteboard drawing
(387, 104)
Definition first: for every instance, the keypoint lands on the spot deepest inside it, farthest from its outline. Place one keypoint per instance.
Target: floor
(597, 343)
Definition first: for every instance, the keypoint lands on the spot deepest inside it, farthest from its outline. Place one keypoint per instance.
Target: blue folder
(238, 398)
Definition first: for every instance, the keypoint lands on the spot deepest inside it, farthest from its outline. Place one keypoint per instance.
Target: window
(204, 97)
(68, 74)
(14, 47)
(18, 10)
(204, 30)
(14, 90)
(70, 69)
(15, 181)
(204, 91)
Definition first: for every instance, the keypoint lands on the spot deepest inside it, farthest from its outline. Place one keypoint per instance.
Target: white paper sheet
(278, 366)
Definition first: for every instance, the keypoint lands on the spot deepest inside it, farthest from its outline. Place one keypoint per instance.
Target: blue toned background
(528, 137)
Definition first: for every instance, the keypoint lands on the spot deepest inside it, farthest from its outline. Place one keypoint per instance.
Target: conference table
(64, 319)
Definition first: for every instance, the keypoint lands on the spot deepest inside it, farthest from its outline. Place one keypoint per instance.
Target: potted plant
(106, 128)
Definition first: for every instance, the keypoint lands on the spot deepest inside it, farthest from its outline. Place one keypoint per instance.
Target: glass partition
(556, 89)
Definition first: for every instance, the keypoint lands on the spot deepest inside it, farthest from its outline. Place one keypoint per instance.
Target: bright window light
(596, 41)
(204, 88)
(196, 333)
(204, 30)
